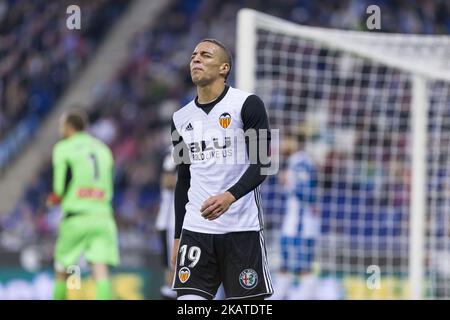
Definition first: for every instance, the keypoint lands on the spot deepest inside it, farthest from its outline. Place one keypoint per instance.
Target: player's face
(207, 64)
(63, 127)
(288, 146)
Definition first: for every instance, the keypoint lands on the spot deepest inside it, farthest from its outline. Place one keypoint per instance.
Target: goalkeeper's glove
(53, 199)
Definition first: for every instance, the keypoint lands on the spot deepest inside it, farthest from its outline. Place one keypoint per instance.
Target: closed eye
(203, 54)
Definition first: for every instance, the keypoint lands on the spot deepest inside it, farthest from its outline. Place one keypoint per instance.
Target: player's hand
(216, 206)
(176, 247)
(52, 199)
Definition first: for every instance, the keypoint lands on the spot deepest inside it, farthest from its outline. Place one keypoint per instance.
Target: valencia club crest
(225, 120)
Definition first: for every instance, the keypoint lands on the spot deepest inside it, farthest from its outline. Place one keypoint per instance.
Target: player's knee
(190, 297)
(261, 297)
(60, 276)
(100, 271)
(60, 272)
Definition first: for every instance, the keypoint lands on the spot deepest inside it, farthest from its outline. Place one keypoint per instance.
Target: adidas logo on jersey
(189, 127)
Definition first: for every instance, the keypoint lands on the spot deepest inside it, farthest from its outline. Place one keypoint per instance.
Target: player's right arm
(181, 188)
(59, 175)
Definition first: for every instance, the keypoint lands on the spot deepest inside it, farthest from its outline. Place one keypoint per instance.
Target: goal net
(375, 112)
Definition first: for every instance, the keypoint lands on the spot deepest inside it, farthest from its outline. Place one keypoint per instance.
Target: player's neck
(209, 93)
(73, 134)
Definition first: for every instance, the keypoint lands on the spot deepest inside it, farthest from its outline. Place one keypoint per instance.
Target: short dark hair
(77, 120)
(298, 133)
(228, 56)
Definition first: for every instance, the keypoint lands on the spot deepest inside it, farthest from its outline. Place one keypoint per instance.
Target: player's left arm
(111, 172)
(254, 116)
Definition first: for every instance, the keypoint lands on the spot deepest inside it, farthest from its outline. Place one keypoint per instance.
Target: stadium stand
(40, 59)
(132, 112)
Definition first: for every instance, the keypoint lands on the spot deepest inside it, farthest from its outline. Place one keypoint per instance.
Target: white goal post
(376, 111)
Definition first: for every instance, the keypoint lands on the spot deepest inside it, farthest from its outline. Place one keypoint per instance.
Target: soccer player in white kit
(165, 221)
(218, 218)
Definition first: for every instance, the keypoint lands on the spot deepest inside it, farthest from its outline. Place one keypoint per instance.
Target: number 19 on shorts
(193, 255)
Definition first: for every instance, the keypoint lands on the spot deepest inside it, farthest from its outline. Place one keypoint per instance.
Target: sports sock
(59, 290)
(103, 290)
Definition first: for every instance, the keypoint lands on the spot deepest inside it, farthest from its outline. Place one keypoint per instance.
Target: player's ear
(224, 68)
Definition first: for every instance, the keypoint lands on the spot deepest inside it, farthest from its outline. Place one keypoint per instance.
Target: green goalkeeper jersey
(83, 174)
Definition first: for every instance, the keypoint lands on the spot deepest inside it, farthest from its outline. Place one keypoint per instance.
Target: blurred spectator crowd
(39, 56)
(132, 111)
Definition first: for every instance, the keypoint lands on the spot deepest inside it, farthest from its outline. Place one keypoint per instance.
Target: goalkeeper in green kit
(83, 185)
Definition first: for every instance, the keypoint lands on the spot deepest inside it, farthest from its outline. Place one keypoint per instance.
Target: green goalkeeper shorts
(95, 236)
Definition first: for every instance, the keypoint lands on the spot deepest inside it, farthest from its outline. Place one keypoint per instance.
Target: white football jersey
(165, 220)
(218, 159)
